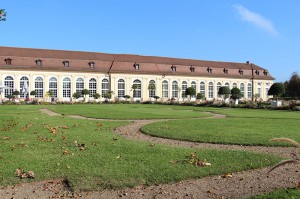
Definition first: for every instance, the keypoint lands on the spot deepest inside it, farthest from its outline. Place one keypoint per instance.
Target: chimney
(247, 62)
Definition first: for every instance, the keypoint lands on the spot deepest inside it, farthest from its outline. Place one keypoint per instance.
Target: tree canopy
(235, 93)
(2, 15)
(276, 89)
(190, 91)
(225, 91)
(293, 86)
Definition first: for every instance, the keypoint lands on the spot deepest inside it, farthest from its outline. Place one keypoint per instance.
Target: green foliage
(190, 91)
(16, 93)
(33, 92)
(85, 92)
(127, 96)
(10, 97)
(2, 15)
(49, 93)
(156, 97)
(276, 89)
(293, 86)
(96, 95)
(236, 93)
(200, 96)
(134, 87)
(225, 91)
(76, 95)
(108, 94)
(151, 86)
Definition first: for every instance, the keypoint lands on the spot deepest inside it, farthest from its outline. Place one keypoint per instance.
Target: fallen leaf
(227, 175)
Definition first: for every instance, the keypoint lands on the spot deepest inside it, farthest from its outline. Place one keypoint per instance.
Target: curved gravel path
(240, 185)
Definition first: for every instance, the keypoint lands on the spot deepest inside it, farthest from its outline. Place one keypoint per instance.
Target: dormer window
(66, 63)
(136, 66)
(92, 64)
(8, 61)
(209, 70)
(38, 62)
(173, 68)
(192, 68)
(257, 72)
(265, 72)
(241, 72)
(225, 71)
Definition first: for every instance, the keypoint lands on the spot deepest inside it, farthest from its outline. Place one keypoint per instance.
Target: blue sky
(263, 32)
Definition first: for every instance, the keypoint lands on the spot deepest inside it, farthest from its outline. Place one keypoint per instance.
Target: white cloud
(256, 19)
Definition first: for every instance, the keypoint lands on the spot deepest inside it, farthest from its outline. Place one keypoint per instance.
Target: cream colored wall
(129, 78)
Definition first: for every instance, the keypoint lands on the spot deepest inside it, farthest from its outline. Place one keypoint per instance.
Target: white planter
(276, 103)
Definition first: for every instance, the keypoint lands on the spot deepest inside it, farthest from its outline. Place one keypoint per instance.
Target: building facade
(66, 72)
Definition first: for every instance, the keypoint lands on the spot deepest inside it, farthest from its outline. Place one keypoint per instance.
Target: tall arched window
(79, 85)
(165, 89)
(183, 88)
(174, 89)
(92, 86)
(211, 90)
(121, 88)
(137, 92)
(219, 85)
(234, 85)
(9, 82)
(104, 87)
(194, 85)
(242, 88)
(151, 88)
(66, 87)
(24, 86)
(227, 84)
(202, 88)
(39, 87)
(53, 86)
(249, 89)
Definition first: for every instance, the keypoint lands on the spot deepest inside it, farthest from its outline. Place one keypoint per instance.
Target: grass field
(47, 145)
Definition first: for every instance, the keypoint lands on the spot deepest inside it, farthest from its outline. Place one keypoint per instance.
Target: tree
(236, 93)
(85, 92)
(190, 91)
(2, 15)
(134, 87)
(77, 95)
(96, 95)
(33, 92)
(16, 93)
(293, 86)
(108, 94)
(127, 97)
(200, 96)
(224, 91)
(276, 90)
(156, 97)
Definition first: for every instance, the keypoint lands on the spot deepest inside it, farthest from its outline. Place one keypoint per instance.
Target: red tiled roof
(24, 58)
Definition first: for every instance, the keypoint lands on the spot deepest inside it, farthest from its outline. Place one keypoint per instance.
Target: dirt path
(240, 185)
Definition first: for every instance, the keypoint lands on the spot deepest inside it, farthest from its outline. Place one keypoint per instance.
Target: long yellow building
(66, 72)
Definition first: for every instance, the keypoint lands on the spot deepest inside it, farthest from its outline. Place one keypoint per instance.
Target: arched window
(174, 89)
(219, 85)
(249, 88)
(137, 92)
(66, 87)
(121, 88)
(211, 90)
(104, 87)
(202, 88)
(24, 86)
(227, 84)
(92, 86)
(151, 88)
(234, 85)
(39, 87)
(183, 88)
(242, 88)
(53, 86)
(165, 89)
(79, 85)
(9, 82)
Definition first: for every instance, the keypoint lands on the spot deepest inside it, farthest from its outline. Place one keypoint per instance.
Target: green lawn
(126, 111)
(34, 141)
(245, 131)
(282, 194)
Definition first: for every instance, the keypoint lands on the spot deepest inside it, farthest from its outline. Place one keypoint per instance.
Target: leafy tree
(293, 86)
(85, 92)
(190, 91)
(151, 87)
(108, 94)
(236, 93)
(16, 93)
(2, 15)
(224, 91)
(156, 97)
(33, 92)
(77, 95)
(96, 95)
(134, 87)
(49, 93)
(10, 97)
(127, 97)
(276, 89)
(200, 96)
